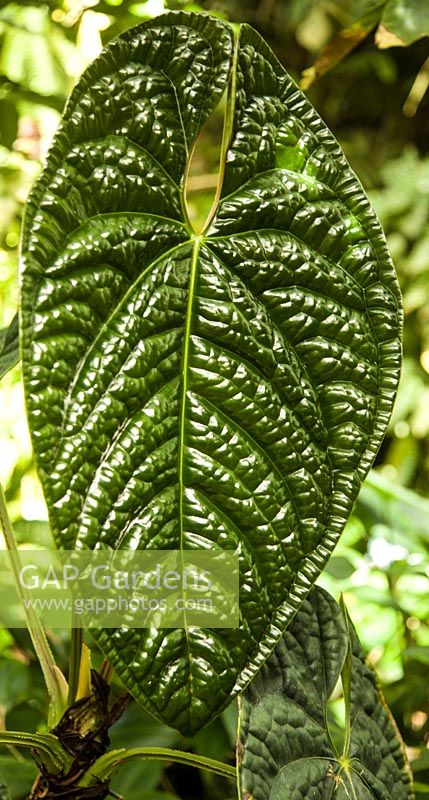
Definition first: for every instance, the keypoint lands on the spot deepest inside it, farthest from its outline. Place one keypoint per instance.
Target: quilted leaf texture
(222, 390)
(285, 747)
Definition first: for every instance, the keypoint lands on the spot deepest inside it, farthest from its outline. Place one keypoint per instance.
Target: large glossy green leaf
(285, 747)
(228, 389)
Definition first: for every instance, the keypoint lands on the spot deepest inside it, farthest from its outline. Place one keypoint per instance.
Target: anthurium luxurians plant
(221, 389)
(286, 745)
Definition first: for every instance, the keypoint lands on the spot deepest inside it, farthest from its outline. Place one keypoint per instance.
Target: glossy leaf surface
(285, 746)
(223, 390)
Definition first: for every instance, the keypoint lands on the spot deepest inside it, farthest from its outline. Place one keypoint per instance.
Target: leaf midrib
(198, 239)
(182, 432)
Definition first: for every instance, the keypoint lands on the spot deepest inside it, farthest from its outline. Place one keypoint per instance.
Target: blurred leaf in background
(9, 346)
(376, 58)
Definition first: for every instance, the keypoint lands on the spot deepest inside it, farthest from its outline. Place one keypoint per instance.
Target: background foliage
(366, 66)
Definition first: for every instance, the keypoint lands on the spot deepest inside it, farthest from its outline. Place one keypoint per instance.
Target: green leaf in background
(4, 790)
(8, 123)
(400, 23)
(14, 684)
(9, 346)
(285, 745)
(18, 775)
(342, 44)
(29, 51)
(16, 93)
(137, 729)
(408, 20)
(405, 512)
(228, 388)
(340, 567)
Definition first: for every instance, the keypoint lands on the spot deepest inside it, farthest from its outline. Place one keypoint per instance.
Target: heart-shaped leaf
(285, 745)
(222, 390)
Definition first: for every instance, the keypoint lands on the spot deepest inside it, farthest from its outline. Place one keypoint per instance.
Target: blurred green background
(370, 62)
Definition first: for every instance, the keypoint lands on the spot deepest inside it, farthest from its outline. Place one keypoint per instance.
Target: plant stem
(84, 677)
(53, 755)
(74, 663)
(106, 766)
(54, 679)
(346, 680)
(106, 670)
